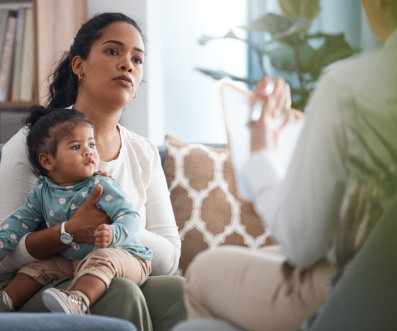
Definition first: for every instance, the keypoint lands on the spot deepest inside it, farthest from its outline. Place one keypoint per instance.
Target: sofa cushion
(203, 195)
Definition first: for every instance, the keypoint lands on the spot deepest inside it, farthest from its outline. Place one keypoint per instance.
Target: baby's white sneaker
(62, 301)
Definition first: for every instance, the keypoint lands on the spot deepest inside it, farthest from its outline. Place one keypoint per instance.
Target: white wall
(191, 101)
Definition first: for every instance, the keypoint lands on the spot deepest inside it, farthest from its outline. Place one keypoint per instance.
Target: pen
(256, 110)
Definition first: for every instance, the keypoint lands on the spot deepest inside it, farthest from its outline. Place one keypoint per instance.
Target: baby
(61, 147)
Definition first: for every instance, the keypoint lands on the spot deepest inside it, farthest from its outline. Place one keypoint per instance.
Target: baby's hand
(103, 236)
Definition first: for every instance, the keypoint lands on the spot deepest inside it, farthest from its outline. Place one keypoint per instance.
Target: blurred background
(175, 98)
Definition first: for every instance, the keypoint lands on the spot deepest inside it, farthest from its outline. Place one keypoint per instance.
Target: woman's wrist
(70, 228)
(45, 243)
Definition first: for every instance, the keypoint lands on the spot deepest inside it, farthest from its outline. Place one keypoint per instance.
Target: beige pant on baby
(249, 288)
(104, 263)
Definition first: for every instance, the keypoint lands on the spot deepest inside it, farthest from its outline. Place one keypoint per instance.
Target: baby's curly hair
(46, 127)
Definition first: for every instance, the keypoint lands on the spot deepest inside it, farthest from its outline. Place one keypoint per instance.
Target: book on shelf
(17, 70)
(7, 56)
(27, 69)
(3, 27)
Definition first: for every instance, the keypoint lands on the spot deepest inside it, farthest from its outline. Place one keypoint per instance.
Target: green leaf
(220, 74)
(383, 141)
(204, 39)
(306, 55)
(334, 48)
(271, 23)
(288, 44)
(307, 8)
(300, 97)
(289, 8)
(310, 9)
(282, 58)
(379, 163)
(231, 35)
(290, 36)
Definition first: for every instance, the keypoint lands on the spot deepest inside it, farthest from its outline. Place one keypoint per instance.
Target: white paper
(235, 102)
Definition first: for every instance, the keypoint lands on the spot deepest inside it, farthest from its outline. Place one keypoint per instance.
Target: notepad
(236, 111)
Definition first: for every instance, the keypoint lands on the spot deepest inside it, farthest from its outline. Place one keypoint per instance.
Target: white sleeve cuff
(263, 169)
(17, 258)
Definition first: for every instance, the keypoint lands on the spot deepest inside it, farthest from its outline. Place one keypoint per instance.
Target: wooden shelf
(55, 24)
(16, 105)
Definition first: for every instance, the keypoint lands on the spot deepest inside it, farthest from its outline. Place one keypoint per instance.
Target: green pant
(156, 305)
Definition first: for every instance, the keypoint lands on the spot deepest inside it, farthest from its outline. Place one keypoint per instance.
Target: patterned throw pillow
(203, 194)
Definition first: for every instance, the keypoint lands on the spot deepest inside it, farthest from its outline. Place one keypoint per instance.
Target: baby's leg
(21, 288)
(31, 277)
(94, 273)
(92, 277)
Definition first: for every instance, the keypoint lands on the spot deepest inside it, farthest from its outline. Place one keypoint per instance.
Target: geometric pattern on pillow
(207, 209)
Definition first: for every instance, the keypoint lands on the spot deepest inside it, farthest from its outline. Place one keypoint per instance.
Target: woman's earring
(134, 96)
(80, 76)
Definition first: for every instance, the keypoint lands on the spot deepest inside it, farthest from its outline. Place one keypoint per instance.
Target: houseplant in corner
(297, 54)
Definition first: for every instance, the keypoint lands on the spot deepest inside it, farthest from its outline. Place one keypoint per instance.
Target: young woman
(99, 76)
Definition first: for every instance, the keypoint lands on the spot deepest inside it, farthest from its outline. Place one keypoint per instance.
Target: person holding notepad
(340, 179)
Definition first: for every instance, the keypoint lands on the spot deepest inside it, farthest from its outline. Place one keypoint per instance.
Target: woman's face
(113, 69)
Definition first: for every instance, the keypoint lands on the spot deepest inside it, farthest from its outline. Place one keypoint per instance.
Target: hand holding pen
(265, 87)
(270, 101)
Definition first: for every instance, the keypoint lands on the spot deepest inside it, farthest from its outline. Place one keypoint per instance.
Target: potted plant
(296, 53)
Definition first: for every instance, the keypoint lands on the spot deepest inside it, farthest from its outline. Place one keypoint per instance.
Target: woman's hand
(104, 173)
(265, 132)
(87, 218)
(103, 236)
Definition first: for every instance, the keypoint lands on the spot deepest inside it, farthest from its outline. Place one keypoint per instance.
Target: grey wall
(10, 123)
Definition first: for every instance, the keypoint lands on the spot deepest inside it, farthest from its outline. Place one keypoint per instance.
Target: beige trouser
(248, 288)
(103, 263)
